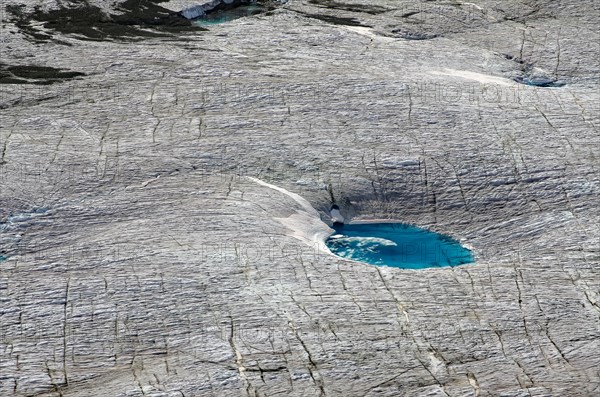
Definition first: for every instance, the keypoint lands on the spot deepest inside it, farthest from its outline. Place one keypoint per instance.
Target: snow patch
(480, 77)
(306, 224)
(365, 31)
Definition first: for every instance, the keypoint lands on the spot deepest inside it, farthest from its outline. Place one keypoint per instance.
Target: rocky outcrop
(129, 20)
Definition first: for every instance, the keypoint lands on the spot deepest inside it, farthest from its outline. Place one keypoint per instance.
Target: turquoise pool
(397, 245)
(218, 17)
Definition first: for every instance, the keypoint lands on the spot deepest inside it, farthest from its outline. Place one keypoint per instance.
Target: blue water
(397, 245)
(540, 82)
(229, 15)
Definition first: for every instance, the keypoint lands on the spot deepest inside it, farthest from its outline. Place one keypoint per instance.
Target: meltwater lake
(397, 245)
(223, 16)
